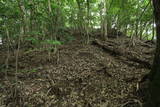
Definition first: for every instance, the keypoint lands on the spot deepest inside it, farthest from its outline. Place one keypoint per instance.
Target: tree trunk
(8, 48)
(32, 9)
(153, 30)
(23, 15)
(154, 86)
(103, 14)
(88, 22)
(51, 18)
(80, 17)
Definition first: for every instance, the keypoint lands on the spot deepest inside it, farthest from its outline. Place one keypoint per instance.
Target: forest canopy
(48, 17)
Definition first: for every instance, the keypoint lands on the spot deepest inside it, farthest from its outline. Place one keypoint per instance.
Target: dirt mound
(102, 74)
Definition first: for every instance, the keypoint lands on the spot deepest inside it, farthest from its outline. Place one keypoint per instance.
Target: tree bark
(103, 14)
(153, 30)
(154, 85)
(80, 17)
(23, 15)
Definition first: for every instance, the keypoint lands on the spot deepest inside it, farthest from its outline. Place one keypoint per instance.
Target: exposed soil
(101, 74)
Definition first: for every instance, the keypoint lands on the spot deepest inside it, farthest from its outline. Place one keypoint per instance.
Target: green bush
(53, 42)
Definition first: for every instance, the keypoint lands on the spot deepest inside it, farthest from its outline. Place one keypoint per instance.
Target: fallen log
(108, 47)
(119, 52)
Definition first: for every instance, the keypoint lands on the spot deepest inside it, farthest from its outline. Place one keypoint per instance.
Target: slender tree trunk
(31, 16)
(101, 18)
(136, 28)
(153, 30)
(51, 19)
(141, 30)
(88, 22)
(23, 15)
(79, 16)
(103, 13)
(105, 19)
(125, 30)
(8, 51)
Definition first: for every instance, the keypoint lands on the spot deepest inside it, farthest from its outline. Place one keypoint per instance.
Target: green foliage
(33, 33)
(38, 22)
(33, 40)
(53, 42)
(68, 38)
(32, 70)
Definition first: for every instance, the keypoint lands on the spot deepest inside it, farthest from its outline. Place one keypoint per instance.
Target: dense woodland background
(79, 53)
(42, 20)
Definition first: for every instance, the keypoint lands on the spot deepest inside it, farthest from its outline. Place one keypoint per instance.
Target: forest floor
(101, 74)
